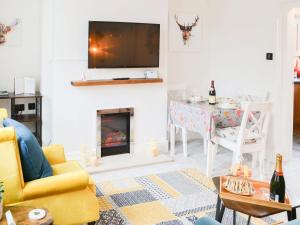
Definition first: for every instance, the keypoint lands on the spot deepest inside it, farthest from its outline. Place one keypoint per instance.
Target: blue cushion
(34, 163)
(294, 222)
(207, 221)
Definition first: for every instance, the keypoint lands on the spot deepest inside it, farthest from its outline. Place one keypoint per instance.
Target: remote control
(9, 218)
(121, 78)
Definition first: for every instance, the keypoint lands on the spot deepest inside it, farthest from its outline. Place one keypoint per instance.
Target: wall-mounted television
(123, 45)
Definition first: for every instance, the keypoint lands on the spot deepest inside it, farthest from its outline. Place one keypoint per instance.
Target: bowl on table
(196, 99)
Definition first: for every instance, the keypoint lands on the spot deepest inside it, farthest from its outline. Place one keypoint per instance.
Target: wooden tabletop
(20, 214)
(246, 208)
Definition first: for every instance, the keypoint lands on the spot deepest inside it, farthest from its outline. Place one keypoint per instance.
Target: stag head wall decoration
(186, 29)
(5, 29)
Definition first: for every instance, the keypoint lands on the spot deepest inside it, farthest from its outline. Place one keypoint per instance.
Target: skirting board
(126, 161)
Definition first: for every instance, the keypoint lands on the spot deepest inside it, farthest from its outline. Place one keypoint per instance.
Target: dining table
(202, 118)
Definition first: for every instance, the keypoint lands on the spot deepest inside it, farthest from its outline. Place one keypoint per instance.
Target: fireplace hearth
(113, 131)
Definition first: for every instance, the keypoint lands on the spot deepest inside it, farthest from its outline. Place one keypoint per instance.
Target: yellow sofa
(69, 194)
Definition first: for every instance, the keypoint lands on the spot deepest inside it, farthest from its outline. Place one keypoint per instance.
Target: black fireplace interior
(115, 133)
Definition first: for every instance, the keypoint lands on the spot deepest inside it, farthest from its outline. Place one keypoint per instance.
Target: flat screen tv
(123, 45)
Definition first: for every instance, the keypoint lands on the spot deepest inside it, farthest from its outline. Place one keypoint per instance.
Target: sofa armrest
(58, 184)
(55, 154)
(3, 113)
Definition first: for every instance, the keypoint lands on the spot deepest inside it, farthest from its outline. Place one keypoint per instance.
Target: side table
(20, 214)
(246, 208)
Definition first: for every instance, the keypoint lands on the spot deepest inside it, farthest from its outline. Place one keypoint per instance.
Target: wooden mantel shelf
(81, 83)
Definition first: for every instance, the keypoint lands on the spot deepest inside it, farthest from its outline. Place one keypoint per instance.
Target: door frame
(285, 55)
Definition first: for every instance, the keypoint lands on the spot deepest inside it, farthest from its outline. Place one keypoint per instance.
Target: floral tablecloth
(202, 117)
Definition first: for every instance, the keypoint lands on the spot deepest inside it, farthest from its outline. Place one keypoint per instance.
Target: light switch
(269, 56)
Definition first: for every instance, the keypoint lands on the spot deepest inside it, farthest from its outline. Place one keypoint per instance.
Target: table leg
(172, 140)
(220, 210)
(249, 220)
(292, 215)
(221, 213)
(209, 159)
(184, 141)
(234, 217)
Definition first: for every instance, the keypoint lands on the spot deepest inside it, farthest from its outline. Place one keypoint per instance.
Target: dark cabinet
(297, 108)
(34, 118)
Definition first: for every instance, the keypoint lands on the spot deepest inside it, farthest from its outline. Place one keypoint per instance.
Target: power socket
(31, 106)
(19, 108)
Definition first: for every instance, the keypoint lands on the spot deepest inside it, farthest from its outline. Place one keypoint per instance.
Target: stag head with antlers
(186, 28)
(5, 29)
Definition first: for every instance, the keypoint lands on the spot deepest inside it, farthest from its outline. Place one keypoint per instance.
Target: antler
(15, 23)
(5, 29)
(196, 21)
(176, 19)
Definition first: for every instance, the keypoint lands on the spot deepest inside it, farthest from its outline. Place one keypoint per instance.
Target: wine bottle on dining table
(212, 94)
(277, 185)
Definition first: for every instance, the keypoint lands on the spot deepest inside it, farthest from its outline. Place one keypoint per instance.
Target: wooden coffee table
(249, 209)
(20, 214)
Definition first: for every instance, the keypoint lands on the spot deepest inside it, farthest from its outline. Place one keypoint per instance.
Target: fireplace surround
(114, 131)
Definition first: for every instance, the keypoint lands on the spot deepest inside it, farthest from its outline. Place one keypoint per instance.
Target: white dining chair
(249, 137)
(254, 95)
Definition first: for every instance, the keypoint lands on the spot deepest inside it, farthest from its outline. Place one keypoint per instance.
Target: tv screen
(123, 45)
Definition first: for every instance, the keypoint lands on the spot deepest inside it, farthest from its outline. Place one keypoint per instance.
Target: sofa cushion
(231, 134)
(206, 221)
(34, 163)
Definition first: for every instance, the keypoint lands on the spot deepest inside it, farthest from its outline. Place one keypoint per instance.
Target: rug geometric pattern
(174, 198)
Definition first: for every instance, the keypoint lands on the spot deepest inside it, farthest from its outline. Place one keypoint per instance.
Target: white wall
(190, 68)
(239, 33)
(236, 36)
(74, 109)
(22, 60)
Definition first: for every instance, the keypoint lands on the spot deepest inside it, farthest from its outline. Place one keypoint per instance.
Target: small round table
(249, 209)
(20, 215)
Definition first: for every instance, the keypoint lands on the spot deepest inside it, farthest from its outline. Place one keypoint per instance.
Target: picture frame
(185, 25)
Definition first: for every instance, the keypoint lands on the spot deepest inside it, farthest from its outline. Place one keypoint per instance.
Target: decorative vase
(1, 208)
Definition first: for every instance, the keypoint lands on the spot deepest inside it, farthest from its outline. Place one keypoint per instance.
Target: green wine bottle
(277, 185)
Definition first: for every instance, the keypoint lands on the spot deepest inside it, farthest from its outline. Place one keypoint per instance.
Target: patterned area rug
(173, 198)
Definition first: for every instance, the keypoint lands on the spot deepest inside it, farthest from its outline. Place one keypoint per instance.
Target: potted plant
(1, 199)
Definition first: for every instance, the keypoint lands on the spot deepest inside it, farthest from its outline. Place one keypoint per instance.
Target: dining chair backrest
(255, 95)
(255, 122)
(177, 92)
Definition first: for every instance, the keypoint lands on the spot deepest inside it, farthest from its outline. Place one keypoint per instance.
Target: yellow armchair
(69, 194)
(3, 113)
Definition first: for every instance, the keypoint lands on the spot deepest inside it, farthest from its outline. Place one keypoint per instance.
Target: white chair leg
(235, 159)
(184, 142)
(172, 140)
(254, 159)
(205, 143)
(215, 150)
(210, 158)
(261, 165)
